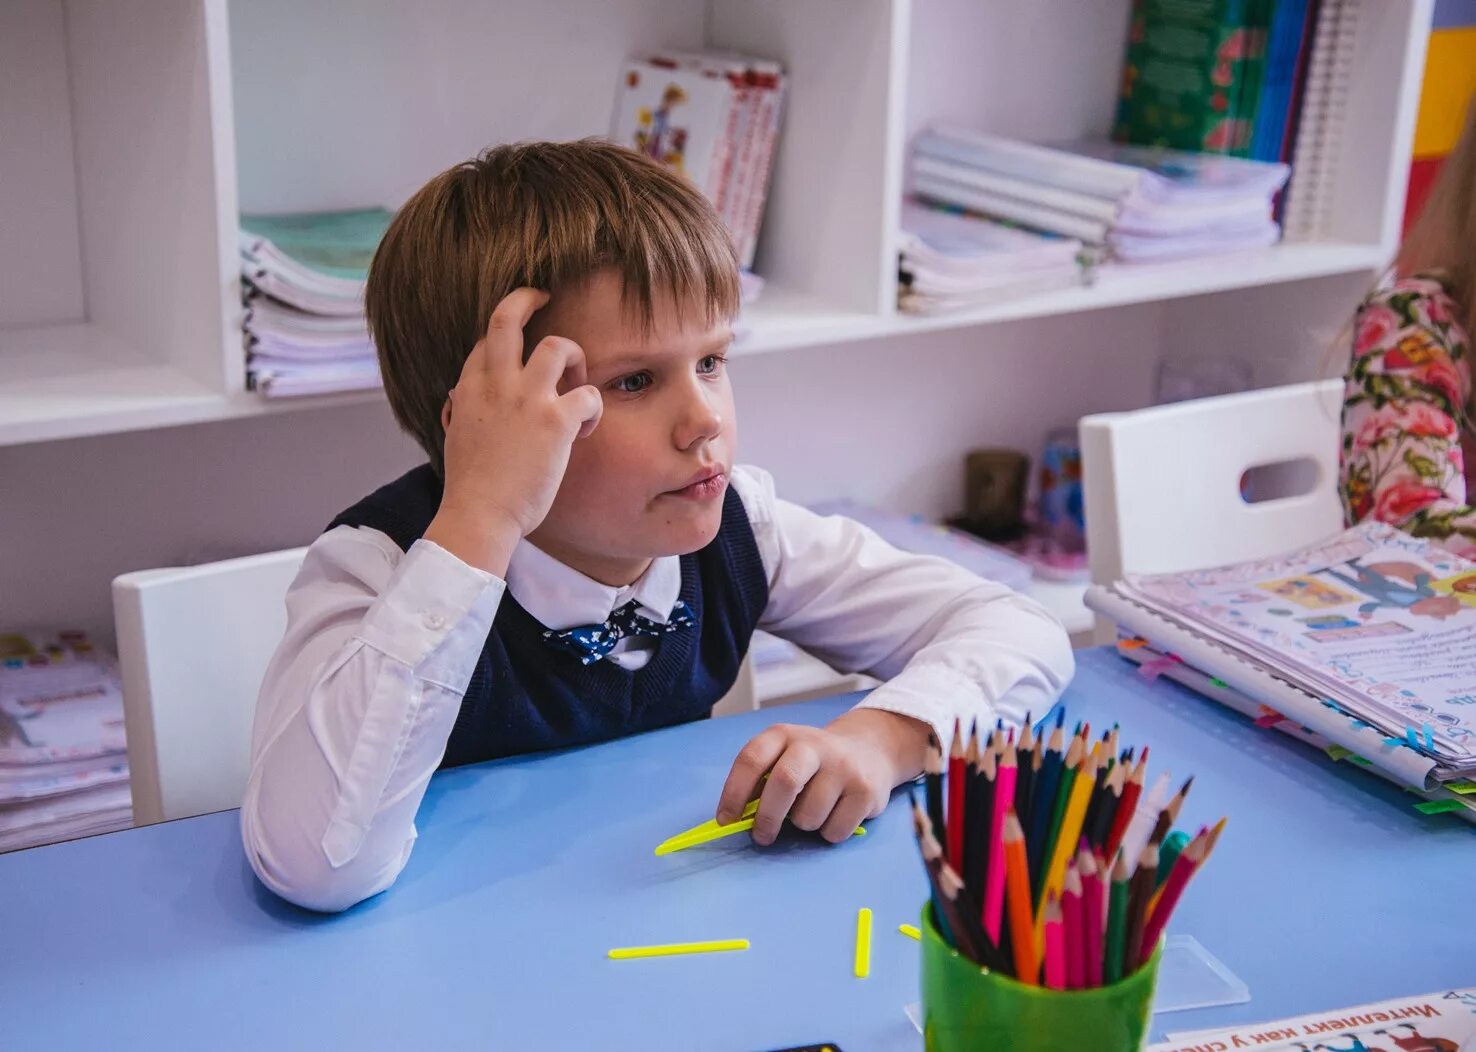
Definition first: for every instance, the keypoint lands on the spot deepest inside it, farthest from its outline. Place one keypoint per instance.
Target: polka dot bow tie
(591, 643)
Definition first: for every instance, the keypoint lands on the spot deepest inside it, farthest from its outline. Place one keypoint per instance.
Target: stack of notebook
(1363, 646)
(63, 757)
(1140, 203)
(952, 259)
(304, 278)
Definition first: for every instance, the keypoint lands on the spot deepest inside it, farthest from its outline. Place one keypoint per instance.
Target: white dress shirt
(360, 698)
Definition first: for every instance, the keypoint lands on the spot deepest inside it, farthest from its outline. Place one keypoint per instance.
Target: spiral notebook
(1363, 645)
(1322, 119)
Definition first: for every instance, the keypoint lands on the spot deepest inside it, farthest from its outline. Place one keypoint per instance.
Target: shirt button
(433, 620)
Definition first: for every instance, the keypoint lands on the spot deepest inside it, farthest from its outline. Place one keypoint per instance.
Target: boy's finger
(845, 817)
(556, 363)
(789, 775)
(747, 773)
(815, 802)
(587, 407)
(504, 338)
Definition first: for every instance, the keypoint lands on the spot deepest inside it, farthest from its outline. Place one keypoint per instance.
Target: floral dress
(1407, 390)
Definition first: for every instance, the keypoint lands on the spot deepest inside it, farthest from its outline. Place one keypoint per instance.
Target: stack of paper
(63, 757)
(1364, 645)
(712, 117)
(304, 277)
(1141, 203)
(952, 260)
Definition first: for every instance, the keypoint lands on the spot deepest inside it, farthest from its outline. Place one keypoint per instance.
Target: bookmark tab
(1439, 807)
(1151, 670)
(1465, 786)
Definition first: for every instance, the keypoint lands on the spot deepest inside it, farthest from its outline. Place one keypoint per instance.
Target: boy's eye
(711, 364)
(633, 384)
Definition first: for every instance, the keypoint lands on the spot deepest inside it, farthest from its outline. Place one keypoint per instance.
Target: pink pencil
(1055, 943)
(994, 876)
(1091, 917)
(1072, 923)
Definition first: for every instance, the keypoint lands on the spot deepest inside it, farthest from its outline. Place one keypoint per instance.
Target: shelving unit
(134, 134)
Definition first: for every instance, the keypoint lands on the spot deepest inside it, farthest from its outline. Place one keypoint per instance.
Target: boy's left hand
(827, 779)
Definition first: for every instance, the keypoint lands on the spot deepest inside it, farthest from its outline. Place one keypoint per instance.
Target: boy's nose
(700, 422)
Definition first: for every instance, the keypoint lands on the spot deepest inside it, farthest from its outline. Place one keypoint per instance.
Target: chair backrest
(193, 644)
(1163, 485)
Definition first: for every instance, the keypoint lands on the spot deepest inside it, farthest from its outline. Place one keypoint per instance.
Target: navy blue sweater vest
(526, 695)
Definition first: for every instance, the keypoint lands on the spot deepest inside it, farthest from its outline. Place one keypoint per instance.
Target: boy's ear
(446, 413)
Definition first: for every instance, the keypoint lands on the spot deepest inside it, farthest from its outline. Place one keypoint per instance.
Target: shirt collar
(560, 597)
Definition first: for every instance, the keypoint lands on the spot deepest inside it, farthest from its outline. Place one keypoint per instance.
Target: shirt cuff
(936, 694)
(434, 599)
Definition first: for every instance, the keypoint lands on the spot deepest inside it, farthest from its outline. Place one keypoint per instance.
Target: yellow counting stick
(863, 943)
(709, 831)
(909, 931)
(676, 949)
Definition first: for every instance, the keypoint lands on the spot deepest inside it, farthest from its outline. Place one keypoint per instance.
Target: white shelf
(70, 381)
(782, 320)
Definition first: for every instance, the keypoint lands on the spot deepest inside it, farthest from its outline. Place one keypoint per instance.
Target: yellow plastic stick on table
(627, 953)
(709, 831)
(910, 930)
(863, 943)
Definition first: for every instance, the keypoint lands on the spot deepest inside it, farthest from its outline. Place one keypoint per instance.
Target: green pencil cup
(966, 1008)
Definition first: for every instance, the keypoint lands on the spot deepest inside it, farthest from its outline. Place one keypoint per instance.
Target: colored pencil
(1132, 790)
(1056, 967)
(1073, 921)
(1140, 825)
(1025, 779)
(1170, 813)
(1052, 761)
(1185, 866)
(994, 885)
(1116, 922)
(1017, 892)
(1075, 756)
(934, 786)
(976, 820)
(1092, 919)
(956, 787)
(1168, 851)
(1070, 831)
(1139, 893)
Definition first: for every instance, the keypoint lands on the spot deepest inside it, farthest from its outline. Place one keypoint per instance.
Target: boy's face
(650, 480)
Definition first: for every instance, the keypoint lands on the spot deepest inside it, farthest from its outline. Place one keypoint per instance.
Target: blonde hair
(543, 214)
(1444, 236)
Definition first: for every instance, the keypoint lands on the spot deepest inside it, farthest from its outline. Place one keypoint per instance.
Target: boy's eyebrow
(634, 359)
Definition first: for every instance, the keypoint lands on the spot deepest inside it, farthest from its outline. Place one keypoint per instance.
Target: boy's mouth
(704, 485)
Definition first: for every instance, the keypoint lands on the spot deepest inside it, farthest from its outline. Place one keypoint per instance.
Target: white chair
(1163, 485)
(194, 643)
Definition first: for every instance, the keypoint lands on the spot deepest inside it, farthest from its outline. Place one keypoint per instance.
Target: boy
(581, 558)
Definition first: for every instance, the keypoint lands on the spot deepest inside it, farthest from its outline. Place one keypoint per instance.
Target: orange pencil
(1019, 901)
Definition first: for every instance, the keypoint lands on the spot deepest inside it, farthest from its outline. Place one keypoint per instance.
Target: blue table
(1327, 890)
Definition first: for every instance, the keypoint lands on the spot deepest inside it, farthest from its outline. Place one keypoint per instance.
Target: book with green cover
(338, 244)
(1191, 74)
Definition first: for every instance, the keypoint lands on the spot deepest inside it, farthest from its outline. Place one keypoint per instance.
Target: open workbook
(1364, 645)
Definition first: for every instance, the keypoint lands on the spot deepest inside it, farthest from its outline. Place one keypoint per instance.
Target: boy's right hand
(509, 430)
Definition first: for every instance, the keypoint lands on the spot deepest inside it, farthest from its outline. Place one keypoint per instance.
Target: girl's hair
(1444, 235)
